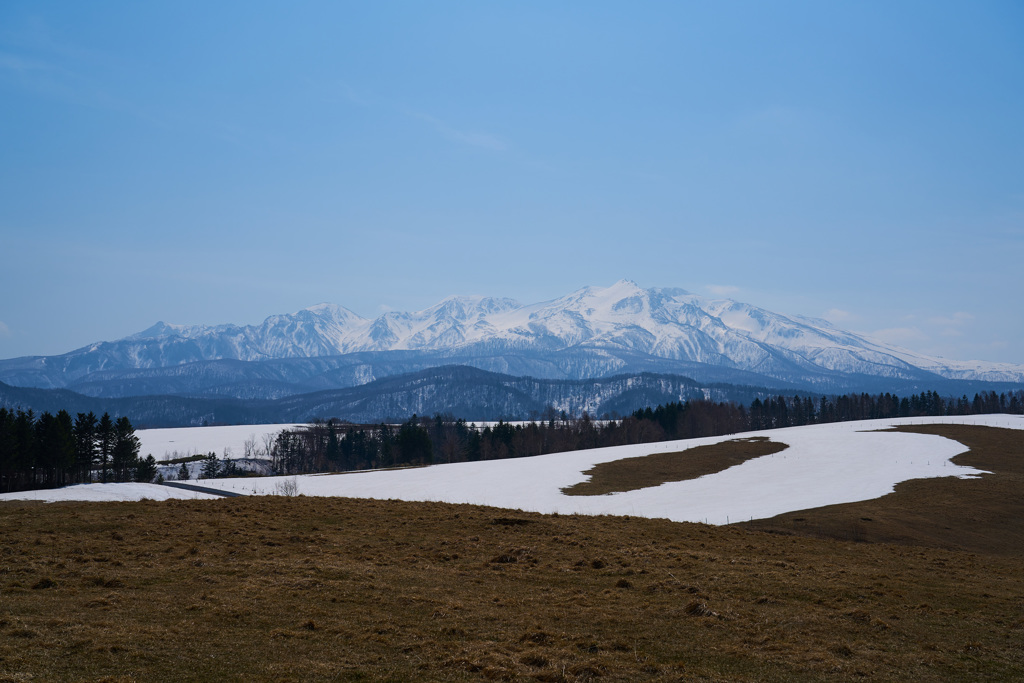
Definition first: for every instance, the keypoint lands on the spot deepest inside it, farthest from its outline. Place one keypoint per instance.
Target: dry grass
(630, 474)
(339, 589)
(322, 589)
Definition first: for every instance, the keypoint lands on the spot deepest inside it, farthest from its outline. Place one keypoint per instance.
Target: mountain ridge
(592, 332)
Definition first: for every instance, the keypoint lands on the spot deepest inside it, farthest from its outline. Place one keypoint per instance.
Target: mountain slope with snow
(591, 330)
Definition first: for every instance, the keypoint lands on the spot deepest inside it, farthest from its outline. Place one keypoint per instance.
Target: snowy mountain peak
(162, 329)
(602, 324)
(469, 307)
(332, 311)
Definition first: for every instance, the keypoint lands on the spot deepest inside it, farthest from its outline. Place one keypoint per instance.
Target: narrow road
(201, 489)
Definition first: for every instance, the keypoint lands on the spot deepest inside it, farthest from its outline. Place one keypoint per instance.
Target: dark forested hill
(462, 391)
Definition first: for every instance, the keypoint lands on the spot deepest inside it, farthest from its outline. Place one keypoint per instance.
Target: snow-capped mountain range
(592, 332)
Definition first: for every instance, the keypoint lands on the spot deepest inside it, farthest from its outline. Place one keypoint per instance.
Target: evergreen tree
(105, 437)
(43, 465)
(59, 449)
(333, 452)
(85, 445)
(210, 467)
(145, 470)
(228, 468)
(7, 451)
(125, 452)
(414, 445)
(183, 472)
(24, 448)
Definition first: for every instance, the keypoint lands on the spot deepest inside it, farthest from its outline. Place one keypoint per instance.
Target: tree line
(336, 446)
(48, 451)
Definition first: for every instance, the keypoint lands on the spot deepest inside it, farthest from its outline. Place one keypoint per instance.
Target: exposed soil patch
(630, 474)
(984, 515)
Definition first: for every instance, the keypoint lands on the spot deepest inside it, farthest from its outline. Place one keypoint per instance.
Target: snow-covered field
(106, 493)
(824, 465)
(228, 442)
(178, 442)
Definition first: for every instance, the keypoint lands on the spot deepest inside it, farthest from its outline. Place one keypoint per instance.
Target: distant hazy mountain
(593, 332)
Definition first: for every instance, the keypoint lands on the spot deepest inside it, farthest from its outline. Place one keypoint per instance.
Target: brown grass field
(630, 474)
(275, 588)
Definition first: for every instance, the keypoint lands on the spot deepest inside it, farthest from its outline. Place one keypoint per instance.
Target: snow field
(824, 465)
(178, 442)
(107, 493)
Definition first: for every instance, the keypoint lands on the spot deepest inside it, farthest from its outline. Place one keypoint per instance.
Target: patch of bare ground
(630, 474)
(981, 515)
(312, 589)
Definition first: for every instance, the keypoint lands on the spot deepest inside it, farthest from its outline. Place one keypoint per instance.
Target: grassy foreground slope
(272, 588)
(342, 589)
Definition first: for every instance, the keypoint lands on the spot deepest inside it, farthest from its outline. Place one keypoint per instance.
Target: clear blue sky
(208, 162)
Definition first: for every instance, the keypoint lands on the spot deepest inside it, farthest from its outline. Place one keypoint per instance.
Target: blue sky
(201, 162)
